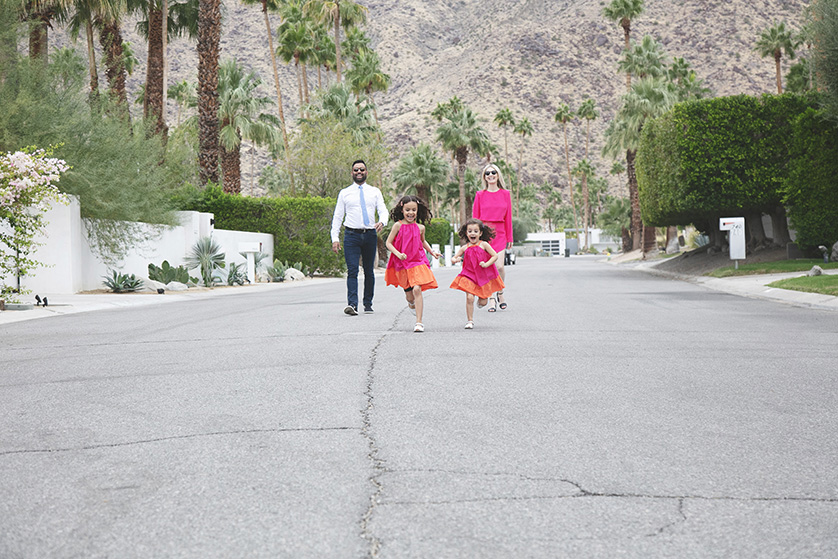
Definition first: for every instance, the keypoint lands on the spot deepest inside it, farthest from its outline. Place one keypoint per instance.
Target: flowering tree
(27, 187)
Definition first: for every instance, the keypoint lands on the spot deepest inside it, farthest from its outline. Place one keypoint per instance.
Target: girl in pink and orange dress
(479, 276)
(408, 264)
(493, 206)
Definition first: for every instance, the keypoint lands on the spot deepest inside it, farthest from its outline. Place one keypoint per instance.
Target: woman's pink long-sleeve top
(495, 210)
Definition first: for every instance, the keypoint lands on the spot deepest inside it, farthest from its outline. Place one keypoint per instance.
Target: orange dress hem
(417, 275)
(482, 291)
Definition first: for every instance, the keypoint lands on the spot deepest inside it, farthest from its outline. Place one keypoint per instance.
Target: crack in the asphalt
(378, 468)
(173, 438)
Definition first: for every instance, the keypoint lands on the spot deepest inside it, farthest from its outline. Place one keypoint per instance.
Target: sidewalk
(754, 286)
(62, 303)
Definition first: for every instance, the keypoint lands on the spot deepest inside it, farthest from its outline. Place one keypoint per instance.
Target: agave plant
(122, 283)
(236, 275)
(205, 255)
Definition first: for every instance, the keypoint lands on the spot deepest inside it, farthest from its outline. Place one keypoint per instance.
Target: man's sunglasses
(358, 170)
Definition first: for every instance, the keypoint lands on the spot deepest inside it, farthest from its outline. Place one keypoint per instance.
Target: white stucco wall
(71, 266)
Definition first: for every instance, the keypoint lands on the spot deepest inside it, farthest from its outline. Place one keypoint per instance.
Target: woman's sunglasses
(487, 173)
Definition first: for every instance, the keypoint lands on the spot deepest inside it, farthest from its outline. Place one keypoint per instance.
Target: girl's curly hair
(486, 233)
(424, 214)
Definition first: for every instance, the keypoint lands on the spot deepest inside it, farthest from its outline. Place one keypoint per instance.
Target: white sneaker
(419, 327)
(470, 325)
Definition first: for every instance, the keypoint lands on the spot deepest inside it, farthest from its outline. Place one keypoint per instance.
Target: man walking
(356, 209)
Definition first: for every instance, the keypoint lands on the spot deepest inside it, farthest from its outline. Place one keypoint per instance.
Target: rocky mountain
(528, 55)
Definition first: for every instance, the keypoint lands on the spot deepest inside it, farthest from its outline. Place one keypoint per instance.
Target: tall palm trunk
(231, 166)
(337, 40)
(636, 220)
(91, 56)
(299, 80)
(153, 100)
(777, 57)
(278, 92)
(305, 82)
(209, 39)
(586, 219)
(570, 181)
(626, 23)
(520, 178)
(110, 37)
(462, 156)
(39, 37)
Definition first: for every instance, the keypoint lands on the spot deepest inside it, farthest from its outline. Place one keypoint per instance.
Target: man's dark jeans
(360, 246)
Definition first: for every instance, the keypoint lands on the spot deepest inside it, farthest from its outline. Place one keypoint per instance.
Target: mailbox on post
(250, 250)
(736, 237)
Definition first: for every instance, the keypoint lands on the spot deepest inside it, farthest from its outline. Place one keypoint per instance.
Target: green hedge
(707, 158)
(300, 226)
(811, 188)
(439, 231)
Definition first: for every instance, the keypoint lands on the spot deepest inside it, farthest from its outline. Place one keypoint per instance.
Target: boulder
(815, 271)
(176, 286)
(834, 255)
(154, 285)
(293, 274)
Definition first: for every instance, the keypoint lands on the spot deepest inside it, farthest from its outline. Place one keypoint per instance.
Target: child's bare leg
(470, 306)
(408, 294)
(419, 301)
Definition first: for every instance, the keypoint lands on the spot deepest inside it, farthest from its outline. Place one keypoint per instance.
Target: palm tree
(623, 12)
(525, 129)
(40, 14)
(240, 117)
(460, 133)
(422, 169)
(565, 115)
(339, 104)
(645, 58)
(683, 77)
(340, 13)
(648, 98)
(323, 52)
(587, 111)
(504, 120)
(273, 5)
(295, 43)
(209, 46)
(355, 42)
(82, 17)
(366, 76)
(775, 41)
(181, 18)
(584, 170)
(183, 94)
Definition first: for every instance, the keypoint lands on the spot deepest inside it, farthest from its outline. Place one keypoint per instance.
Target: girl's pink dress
(495, 210)
(414, 269)
(475, 279)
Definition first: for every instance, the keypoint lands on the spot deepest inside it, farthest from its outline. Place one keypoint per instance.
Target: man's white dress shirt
(348, 209)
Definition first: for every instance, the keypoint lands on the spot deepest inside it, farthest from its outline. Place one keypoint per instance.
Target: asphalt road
(607, 413)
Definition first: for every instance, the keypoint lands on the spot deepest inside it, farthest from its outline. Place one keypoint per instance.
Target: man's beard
(358, 179)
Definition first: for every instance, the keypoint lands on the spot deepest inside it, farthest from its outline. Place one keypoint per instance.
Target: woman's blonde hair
(483, 176)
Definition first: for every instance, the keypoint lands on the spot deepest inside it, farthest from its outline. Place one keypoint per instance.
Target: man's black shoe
(350, 310)
(368, 310)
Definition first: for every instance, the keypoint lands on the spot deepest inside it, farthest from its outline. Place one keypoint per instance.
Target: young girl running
(408, 265)
(479, 276)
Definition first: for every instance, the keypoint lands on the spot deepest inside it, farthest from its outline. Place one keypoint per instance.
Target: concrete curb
(754, 286)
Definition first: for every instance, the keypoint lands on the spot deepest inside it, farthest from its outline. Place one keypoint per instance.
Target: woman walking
(493, 206)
